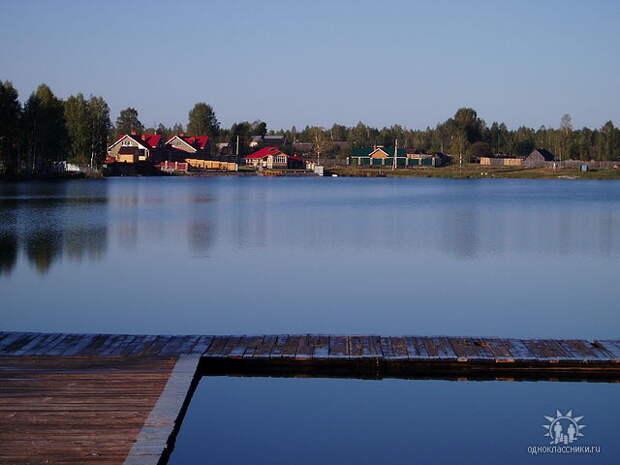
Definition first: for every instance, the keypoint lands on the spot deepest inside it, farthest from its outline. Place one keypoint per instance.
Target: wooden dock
(119, 399)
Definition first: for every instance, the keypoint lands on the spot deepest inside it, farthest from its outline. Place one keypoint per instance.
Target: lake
(251, 255)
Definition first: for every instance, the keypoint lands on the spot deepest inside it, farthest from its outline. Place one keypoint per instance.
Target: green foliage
(10, 114)
(45, 132)
(243, 130)
(202, 121)
(88, 125)
(128, 122)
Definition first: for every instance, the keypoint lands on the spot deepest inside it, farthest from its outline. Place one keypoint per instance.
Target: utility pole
(395, 154)
(237, 149)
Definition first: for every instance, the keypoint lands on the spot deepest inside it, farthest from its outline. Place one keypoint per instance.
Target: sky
(315, 62)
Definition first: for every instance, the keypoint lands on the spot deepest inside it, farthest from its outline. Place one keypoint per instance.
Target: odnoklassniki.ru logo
(563, 430)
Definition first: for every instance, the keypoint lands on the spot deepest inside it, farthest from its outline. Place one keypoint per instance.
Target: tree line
(46, 129)
(467, 135)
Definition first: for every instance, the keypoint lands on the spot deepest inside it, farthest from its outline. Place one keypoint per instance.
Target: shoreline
(446, 172)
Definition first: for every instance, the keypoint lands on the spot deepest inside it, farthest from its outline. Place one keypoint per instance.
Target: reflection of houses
(538, 158)
(273, 157)
(181, 145)
(131, 148)
(502, 159)
(384, 156)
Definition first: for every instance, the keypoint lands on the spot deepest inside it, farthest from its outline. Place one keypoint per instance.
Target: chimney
(181, 134)
(133, 133)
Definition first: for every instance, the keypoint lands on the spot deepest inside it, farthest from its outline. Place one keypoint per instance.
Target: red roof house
(193, 144)
(131, 148)
(273, 157)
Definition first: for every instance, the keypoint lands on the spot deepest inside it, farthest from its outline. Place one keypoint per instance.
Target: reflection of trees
(199, 236)
(89, 242)
(43, 247)
(461, 232)
(8, 251)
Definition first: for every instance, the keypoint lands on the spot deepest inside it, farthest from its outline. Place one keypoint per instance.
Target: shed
(538, 158)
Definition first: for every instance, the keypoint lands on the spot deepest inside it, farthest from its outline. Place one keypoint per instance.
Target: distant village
(181, 154)
(46, 136)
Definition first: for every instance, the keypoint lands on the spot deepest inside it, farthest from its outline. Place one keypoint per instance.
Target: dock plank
(470, 348)
(399, 348)
(320, 346)
(265, 347)
(304, 350)
(439, 348)
(416, 349)
(546, 349)
(217, 346)
(338, 347)
(360, 346)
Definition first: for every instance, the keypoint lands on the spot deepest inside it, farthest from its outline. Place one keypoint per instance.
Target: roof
(265, 152)
(197, 142)
(548, 156)
(152, 140)
(366, 151)
(147, 140)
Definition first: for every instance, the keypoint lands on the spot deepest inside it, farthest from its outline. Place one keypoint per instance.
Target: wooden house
(273, 157)
(384, 156)
(132, 148)
(538, 158)
(180, 146)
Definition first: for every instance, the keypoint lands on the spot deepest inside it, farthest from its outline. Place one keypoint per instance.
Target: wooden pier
(119, 399)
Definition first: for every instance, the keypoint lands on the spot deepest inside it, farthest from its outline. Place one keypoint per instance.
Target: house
(502, 159)
(180, 145)
(384, 156)
(255, 141)
(377, 156)
(303, 147)
(132, 148)
(274, 140)
(273, 157)
(538, 158)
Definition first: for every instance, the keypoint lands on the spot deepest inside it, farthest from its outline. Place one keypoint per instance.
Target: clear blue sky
(319, 62)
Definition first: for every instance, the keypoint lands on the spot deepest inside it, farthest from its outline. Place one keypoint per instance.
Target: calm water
(258, 255)
(385, 256)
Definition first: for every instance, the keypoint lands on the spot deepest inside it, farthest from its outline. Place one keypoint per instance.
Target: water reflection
(8, 249)
(50, 221)
(341, 421)
(340, 249)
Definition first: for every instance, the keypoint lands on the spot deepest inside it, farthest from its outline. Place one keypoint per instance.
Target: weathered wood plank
(438, 348)
(546, 349)
(338, 347)
(304, 350)
(202, 345)
(399, 348)
(470, 348)
(239, 348)
(360, 346)
(613, 347)
(320, 346)
(416, 348)
(217, 346)
(252, 344)
(265, 347)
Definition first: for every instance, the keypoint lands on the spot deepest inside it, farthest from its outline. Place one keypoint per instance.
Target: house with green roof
(384, 156)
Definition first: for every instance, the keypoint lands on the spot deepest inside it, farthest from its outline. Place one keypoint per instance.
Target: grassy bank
(477, 171)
